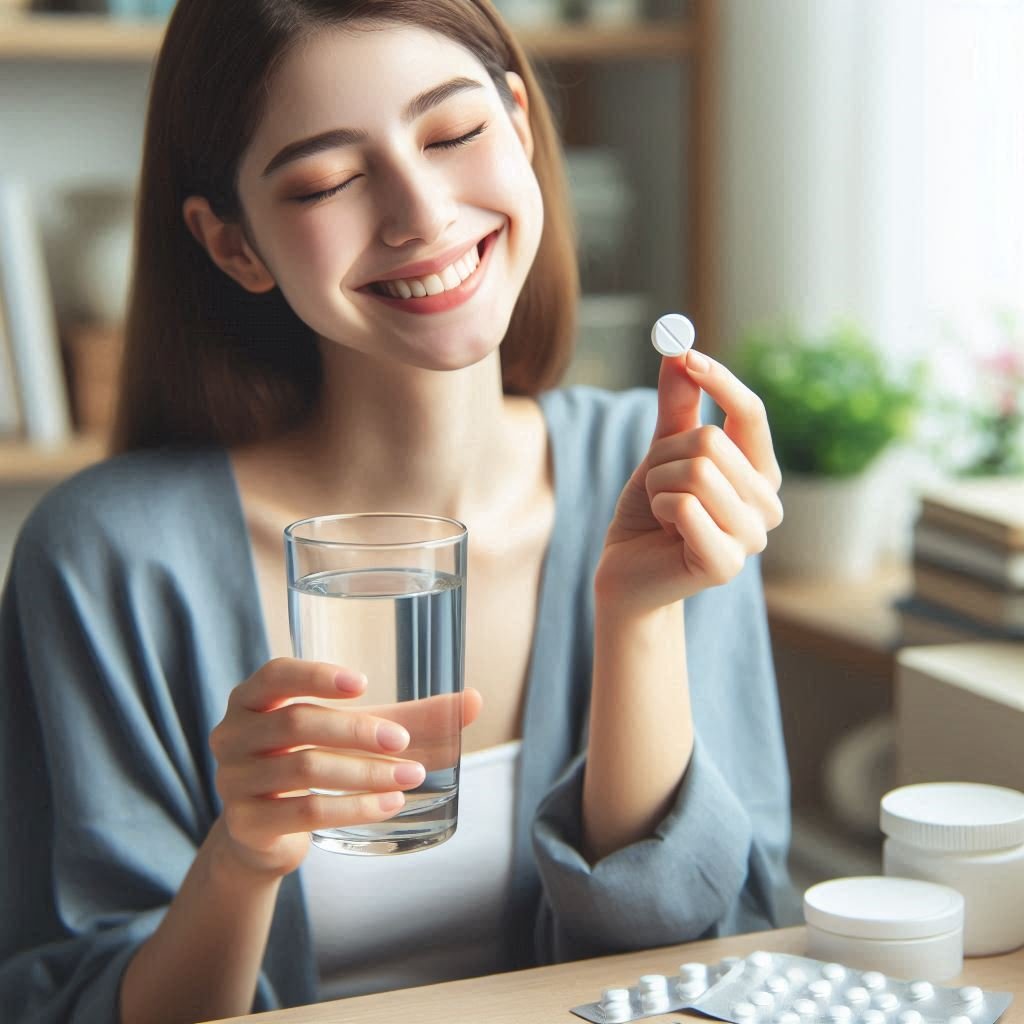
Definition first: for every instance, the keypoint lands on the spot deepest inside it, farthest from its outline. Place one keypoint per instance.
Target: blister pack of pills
(779, 988)
(657, 993)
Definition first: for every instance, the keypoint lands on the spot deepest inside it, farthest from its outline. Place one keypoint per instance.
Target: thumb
(678, 399)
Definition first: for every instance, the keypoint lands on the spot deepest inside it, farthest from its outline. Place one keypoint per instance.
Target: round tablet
(673, 334)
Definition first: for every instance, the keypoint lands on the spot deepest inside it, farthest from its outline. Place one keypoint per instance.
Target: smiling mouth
(451, 279)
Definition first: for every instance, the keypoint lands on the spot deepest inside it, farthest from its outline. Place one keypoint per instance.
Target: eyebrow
(338, 137)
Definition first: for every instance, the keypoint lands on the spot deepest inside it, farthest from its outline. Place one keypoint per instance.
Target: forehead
(355, 77)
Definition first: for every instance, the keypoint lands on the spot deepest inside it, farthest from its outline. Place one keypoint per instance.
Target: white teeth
(433, 284)
(450, 277)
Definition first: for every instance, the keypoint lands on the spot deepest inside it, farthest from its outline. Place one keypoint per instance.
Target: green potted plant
(834, 407)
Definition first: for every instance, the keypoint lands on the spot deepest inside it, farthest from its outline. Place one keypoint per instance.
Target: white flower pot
(832, 527)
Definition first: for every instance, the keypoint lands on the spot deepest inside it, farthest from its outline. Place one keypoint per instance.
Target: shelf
(23, 464)
(854, 617)
(99, 38)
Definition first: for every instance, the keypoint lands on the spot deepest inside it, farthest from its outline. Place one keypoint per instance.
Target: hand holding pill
(704, 497)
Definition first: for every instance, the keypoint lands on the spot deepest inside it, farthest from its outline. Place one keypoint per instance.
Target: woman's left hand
(702, 500)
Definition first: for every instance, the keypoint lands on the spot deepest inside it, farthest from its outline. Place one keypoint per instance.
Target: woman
(354, 290)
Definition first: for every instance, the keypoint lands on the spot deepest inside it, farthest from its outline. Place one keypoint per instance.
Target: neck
(399, 438)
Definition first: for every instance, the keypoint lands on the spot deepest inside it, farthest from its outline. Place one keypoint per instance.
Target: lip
(447, 299)
(425, 267)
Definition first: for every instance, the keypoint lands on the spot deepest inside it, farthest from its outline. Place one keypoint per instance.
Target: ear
(520, 113)
(226, 245)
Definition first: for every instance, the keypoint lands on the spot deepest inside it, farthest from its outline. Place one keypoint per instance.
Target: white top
(391, 922)
(956, 817)
(880, 907)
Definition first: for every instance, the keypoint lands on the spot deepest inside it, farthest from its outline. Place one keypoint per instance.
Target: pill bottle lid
(880, 907)
(954, 817)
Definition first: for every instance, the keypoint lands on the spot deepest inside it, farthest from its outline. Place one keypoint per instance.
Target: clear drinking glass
(384, 594)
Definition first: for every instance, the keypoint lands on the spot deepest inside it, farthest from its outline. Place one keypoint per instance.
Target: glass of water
(384, 594)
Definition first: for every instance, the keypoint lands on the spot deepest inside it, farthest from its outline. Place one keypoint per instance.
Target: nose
(416, 205)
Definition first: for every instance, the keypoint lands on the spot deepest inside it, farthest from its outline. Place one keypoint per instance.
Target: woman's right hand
(272, 749)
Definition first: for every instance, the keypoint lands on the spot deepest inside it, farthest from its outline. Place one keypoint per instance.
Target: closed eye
(462, 140)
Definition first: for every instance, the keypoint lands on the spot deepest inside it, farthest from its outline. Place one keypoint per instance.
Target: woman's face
(425, 189)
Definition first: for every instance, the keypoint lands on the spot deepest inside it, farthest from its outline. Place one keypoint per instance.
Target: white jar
(968, 836)
(899, 926)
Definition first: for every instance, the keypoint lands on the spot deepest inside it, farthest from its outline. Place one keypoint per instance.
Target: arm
(617, 875)
(641, 728)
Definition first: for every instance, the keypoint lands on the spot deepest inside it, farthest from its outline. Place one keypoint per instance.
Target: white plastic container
(970, 837)
(902, 927)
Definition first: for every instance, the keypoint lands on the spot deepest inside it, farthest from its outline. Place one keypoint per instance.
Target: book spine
(32, 327)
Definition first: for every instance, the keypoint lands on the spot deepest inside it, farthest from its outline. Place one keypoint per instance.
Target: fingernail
(350, 682)
(697, 361)
(391, 736)
(409, 774)
(391, 801)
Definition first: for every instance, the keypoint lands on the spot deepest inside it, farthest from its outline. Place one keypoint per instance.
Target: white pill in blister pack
(673, 334)
(777, 988)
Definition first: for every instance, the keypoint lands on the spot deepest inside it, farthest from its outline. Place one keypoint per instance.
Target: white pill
(759, 959)
(796, 975)
(840, 1014)
(617, 1013)
(960, 1019)
(744, 1010)
(886, 1002)
(691, 989)
(690, 971)
(776, 984)
(920, 990)
(764, 1001)
(834, 972)
(673, 334)
(971, 994)
(787, 1017)
(872, 1017)
(805, 1007)
(873, 980)
(615, 995)
(654, 1002)
(653, 983)
(857, 996)
(910, 1017)
(820, 989)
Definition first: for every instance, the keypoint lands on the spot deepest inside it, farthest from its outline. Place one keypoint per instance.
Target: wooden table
(544, 995)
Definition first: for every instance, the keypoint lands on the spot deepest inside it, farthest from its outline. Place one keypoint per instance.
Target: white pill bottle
(970, 837)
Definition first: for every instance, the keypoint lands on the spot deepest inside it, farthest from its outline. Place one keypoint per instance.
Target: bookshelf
(99, 38)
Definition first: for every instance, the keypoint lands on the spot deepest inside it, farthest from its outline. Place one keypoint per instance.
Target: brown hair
(206, 360)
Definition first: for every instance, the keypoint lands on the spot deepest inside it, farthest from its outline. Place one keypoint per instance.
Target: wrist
(230, 867)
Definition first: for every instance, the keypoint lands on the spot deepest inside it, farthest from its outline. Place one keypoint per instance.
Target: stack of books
(968, 564)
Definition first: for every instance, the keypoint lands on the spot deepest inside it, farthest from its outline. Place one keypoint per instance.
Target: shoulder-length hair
(207, 361)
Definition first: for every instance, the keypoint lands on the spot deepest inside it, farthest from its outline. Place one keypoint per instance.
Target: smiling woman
(354, 291)
(262, 359)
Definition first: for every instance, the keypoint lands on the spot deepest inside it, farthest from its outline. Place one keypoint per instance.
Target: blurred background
(830, 190)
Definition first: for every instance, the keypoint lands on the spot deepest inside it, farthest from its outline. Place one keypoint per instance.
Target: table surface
(544, 995)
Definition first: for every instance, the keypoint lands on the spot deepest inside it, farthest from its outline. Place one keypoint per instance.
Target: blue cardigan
(131, 611)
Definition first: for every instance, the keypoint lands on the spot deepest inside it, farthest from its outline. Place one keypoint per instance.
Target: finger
(745, 419)
(434, 725)
(702, 478)
(284, 679)
(264, 819)
(708, 552)
(301, 724)
(678, 398)
(316, 768)
(713, 443)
